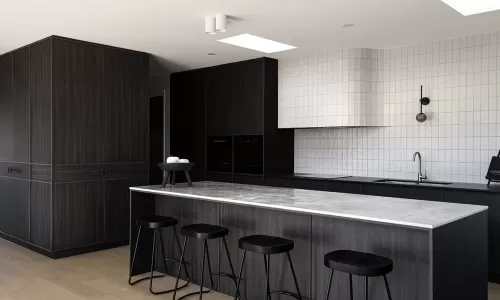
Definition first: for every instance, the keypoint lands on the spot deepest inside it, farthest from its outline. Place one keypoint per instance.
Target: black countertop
(494, 187)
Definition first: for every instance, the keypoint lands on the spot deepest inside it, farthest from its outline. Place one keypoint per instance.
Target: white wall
(462, 78)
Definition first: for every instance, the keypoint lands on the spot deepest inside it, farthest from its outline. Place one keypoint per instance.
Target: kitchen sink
(412, 182)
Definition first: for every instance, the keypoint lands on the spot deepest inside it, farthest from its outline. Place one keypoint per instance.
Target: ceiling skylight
(256, 43)
(472, 7)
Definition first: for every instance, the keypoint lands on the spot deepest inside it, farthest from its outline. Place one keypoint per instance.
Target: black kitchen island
(439, 249)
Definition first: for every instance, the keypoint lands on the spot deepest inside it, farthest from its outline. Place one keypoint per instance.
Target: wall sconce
(421, 117)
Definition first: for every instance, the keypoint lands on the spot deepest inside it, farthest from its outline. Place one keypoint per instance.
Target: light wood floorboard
(26, 275)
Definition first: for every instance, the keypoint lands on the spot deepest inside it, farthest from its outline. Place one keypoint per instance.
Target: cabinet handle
(102, 172)
(110, 172)
(9, 170)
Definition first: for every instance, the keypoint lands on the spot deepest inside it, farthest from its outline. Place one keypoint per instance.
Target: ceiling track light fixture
(210, 25)
(214, 24)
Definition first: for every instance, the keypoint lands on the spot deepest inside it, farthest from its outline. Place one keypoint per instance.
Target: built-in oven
(220, 154)
(248, 154)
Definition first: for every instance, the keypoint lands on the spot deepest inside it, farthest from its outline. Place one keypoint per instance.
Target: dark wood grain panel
(73, 173)
(78, 123)
(410, 250)
(20, 106)
(219, 99)
(78, 216)
(41, 173)
(141, 205)
(189, 211)
(6, 106)
(460, 266)
(243, 221)
(14, 207)
(41, 102)
(117, 207)
(126, 170)
(77, 61)
(15, 170)
(248, 84)
(41, 214)
(126, 132)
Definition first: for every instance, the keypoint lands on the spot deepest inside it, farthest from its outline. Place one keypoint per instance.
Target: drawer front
(41, 173)
(310, 184)
(75, 173)
(15, 170)
(278, 182)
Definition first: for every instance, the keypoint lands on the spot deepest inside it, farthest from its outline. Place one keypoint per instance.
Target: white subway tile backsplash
(462, 132)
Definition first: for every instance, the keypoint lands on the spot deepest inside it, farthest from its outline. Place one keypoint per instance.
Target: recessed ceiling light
(256, 43)
(211, 53)
(472, 7)
(348, 25)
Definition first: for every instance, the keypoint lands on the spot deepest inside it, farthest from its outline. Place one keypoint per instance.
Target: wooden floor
(101, 275)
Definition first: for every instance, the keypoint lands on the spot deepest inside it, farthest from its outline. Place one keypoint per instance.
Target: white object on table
(184, 161)
(172, 160)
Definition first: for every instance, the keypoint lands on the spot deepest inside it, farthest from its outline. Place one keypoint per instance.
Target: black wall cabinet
(88, 108)
(236, 99)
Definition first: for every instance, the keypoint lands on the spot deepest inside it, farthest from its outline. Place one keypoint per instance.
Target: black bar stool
(360, 264)
(205, 232)
(157, 223)
(267, 245)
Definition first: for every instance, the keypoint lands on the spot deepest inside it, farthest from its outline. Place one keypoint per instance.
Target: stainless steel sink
(412, 182)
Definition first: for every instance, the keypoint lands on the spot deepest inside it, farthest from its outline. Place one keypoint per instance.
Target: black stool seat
(358, 263)
(155, 222)
(266, 244)
(204, 231)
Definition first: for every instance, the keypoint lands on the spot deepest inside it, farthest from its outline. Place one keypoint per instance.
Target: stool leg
(180, 267)
(133, 257)
(294, 276)
(387, 288)
(267, 262)
(241, 273)
(153, 252)
(180, 250)
(163, 251)
(202, 272)
(230, 261)
(350, 287)
(366, 288)
(329, 285)
(205, 246)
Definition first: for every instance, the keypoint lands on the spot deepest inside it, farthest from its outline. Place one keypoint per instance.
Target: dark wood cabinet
(248, 98)
(78, 214)
(492, 200)
(220, 104)
(74, 136)
(6, 117)
(116, 198)
(403, 191)
(14, 207)
(310, 184)
(278, 181)
(230, 101)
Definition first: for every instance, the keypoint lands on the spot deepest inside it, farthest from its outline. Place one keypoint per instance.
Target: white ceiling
(173, 30)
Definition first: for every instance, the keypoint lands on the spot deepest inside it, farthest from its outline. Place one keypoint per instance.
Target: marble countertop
(385, 210)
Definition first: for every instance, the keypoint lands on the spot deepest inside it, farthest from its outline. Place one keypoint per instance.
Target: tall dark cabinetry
(74, 137)
(225, 119)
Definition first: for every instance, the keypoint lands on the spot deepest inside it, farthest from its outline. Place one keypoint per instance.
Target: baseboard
(89, 248)
(26, 245)
(495, 278)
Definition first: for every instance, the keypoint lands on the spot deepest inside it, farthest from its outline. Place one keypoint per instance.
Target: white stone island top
(385, 210)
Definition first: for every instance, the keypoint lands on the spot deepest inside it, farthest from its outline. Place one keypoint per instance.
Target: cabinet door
(117, 207)
(20, 106)
(187, 108)
(126, 118)
(6, 117)
(78, 216)
(220, 106)
(492, 200)
(248, 97)
(78, 123)
(14, 207)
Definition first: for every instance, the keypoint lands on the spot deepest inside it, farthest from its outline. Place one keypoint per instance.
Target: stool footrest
(231, 276)
(286, 293)
(146, 278)
(194, 293)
